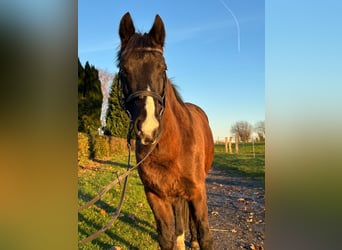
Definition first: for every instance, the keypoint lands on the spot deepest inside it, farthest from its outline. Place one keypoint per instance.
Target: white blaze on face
(151, 123)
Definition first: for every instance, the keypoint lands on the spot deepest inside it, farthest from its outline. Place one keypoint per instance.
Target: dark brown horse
(174, 173)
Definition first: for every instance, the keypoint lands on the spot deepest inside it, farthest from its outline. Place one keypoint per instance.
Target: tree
(117, 121)
(106, 79)
(89, 99)
(243, 129)
(259, 128)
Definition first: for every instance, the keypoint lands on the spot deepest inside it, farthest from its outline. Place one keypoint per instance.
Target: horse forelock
(136, 42)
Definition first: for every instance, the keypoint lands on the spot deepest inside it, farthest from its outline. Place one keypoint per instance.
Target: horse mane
(177, 94)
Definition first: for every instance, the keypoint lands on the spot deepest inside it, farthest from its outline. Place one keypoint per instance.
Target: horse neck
(174, 112)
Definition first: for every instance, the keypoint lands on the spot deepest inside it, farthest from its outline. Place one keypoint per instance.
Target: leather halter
(144, 93)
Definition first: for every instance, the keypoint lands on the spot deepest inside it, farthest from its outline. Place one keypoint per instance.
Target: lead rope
(108, 187)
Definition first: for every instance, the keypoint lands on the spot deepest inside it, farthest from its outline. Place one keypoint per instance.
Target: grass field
(247, 163)
(135, 228)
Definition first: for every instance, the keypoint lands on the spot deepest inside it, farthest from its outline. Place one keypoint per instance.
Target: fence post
(230, 144)
(253, 148)
(236, 143)
(226, 143)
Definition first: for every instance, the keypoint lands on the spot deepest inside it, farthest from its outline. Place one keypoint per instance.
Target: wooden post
(226, 143)
(230, 145)
(253, 148)
(236, 143)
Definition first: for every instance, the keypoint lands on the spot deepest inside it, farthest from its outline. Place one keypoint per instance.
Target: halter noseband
(144, 93)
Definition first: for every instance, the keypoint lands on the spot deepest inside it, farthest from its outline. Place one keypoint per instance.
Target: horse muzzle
(147, 132)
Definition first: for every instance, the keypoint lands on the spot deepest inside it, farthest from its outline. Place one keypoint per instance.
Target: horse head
(143, 77)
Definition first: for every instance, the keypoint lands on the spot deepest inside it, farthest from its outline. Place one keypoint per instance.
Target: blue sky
(215, 50)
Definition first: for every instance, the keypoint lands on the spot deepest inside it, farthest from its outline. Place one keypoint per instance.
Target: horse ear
(126, 30)
(157, 31)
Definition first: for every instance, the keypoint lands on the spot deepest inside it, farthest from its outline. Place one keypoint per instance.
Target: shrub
(83, 152)
(100, 147)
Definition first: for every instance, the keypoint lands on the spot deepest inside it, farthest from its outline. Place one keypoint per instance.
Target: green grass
(135, 229)
(244, 163)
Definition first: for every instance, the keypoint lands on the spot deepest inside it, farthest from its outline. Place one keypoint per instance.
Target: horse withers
(174, 172)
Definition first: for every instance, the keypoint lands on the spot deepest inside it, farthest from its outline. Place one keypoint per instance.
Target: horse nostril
(148, 140)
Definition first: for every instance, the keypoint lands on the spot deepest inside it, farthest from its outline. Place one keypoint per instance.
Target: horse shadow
(125, 217)
(110, 162)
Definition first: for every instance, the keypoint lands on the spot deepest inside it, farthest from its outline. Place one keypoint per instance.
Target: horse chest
(162, 181)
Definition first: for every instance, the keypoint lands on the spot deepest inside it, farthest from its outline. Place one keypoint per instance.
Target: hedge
(100, 146)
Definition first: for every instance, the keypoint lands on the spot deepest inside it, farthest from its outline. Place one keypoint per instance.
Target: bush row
(100, 146)
(83, 152)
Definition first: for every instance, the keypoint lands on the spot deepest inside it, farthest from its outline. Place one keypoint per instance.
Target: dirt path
(236, 210)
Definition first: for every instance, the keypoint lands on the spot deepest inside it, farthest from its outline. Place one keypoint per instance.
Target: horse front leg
(200, 223)
(193, 232)
(181, 213)
(163, 214)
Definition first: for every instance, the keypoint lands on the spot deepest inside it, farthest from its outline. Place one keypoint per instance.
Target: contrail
(236, 22)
